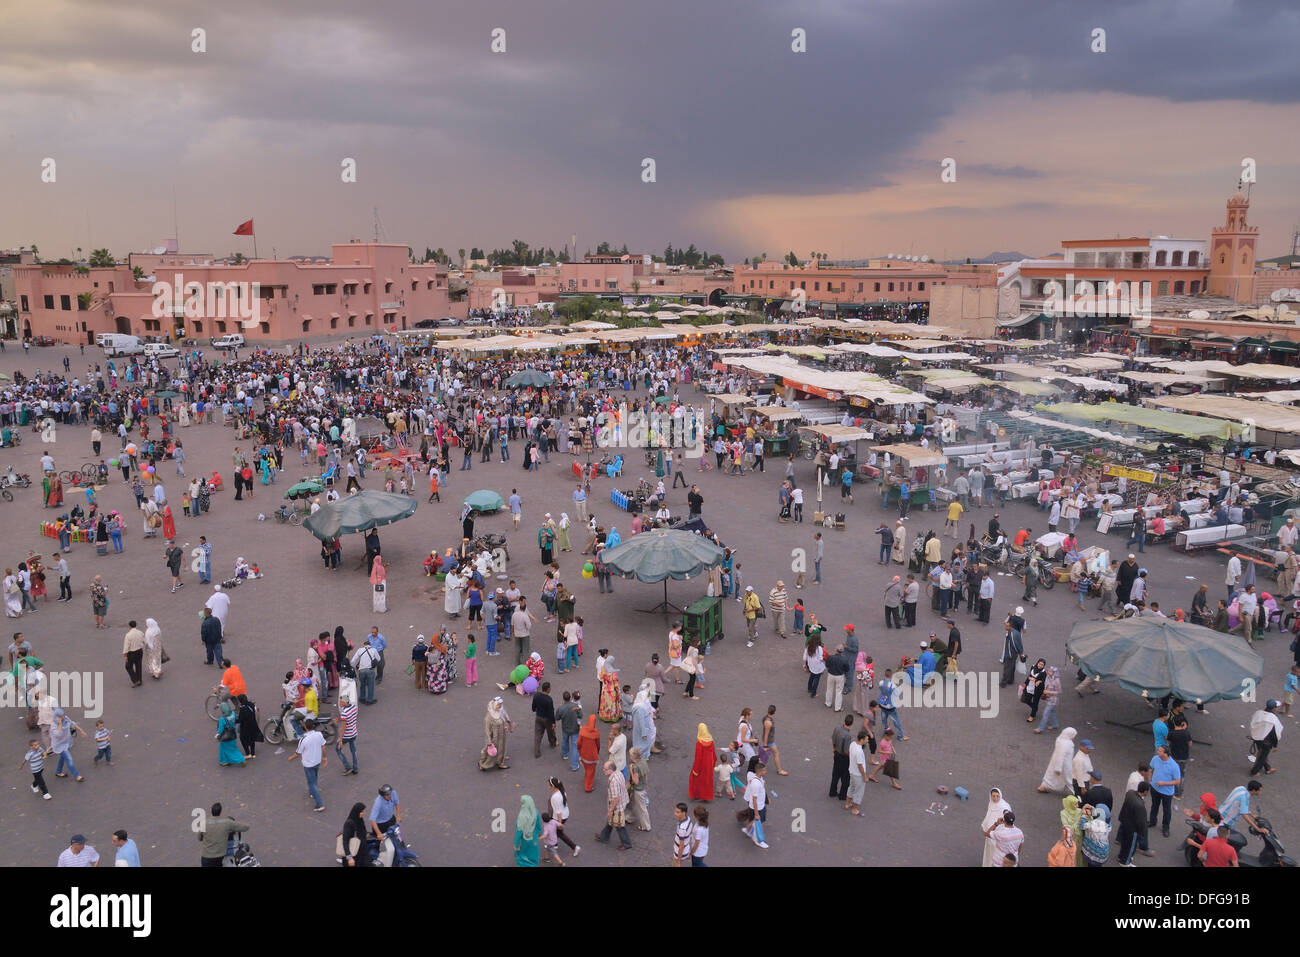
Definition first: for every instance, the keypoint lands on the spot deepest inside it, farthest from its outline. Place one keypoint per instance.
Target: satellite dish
(1280, 294)
(1198, 314)
(1295, 293)
(159, 250)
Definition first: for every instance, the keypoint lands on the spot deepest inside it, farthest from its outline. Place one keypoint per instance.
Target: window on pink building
(920, 287)
(877, 285)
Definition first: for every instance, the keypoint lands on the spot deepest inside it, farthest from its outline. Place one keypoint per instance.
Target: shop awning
(839, 433)
(774, 413)
(1024, 319)
(913, 456)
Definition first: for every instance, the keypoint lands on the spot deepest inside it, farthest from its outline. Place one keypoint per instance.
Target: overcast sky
(757, 148)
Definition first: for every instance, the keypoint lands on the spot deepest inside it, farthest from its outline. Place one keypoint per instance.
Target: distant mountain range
(994, 257)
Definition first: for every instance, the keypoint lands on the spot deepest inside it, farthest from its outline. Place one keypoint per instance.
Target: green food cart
(702, 622)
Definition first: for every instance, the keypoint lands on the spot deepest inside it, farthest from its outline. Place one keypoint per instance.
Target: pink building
(607, 276)
(364, 288)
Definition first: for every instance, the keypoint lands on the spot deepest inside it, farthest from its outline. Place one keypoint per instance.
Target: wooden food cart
(917, 465)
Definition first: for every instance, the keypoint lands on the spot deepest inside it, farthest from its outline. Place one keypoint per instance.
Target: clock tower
(1232, 253)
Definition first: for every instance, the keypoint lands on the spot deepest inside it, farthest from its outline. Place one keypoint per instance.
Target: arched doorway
(715, 297)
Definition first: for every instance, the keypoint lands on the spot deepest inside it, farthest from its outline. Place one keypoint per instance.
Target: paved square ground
(427, 746)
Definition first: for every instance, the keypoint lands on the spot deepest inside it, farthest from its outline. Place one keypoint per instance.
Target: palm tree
(461, 251)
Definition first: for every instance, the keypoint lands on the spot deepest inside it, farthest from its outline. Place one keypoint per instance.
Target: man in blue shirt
(379, 643)
(1236, 806)
(1160, 729)
(1165, 775)
(128, 855)
(385, 812)
(580, 503)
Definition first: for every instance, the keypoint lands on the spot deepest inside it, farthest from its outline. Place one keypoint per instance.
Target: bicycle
(287, 516)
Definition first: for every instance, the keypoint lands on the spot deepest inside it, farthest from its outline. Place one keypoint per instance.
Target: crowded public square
(482, 673)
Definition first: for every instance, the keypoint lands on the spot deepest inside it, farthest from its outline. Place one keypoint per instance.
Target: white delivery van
(115, 344)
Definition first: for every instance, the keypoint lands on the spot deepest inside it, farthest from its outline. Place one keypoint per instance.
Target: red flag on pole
(244, 229)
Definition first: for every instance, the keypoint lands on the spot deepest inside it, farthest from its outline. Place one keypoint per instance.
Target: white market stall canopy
(838, 433)
(1265, 415)
(1104, 436)
(1171, 378)
(915, 344)
(1028, 388)
(886, 393)
(774, 413)
(1087, 364)
(1284, 396)
(913, 456)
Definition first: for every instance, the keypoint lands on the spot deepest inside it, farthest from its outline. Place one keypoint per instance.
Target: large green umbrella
(660, 554)
(359, 512)
(484, 500)
(528, 377)
(304, 489)
(1153, 656)
(168, 394)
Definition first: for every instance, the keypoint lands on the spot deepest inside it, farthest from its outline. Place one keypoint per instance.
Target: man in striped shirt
(348, 715)
(35, 759)
(777, 600)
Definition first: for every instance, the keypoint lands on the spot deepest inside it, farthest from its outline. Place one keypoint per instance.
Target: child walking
(103, 743)
(550, 839)
(471, 660)
(35, 761)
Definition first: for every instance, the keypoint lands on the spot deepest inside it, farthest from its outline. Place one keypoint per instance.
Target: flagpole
(255, 245)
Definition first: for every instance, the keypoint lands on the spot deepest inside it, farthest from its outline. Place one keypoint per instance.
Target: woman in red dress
(168, 524)
(701, 783)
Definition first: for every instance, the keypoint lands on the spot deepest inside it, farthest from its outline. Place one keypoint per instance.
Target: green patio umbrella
(1153, 657)
(304, 489)
(168, 394)
(660, 554)
(528, 377)
(359, 512)
(484, 500)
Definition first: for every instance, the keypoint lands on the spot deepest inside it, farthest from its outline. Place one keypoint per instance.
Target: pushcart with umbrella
(660, 554)
(484, 500)
(529, 378)
(1153, 657)
(361, 512)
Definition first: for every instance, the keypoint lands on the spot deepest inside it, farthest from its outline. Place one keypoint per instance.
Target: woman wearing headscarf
(378, 578)
(13, 595)
(694, 669)
(610, 709)
(442, 666)
(228, 752)
(1096, 837)
(528, 833)
(1056, 779)
(1072, 821)
(613, 538)
(168, 524)
(562, 532)
(997, 807)
(54, 498)
(246, 719)
(1035, 684)
(355, 835)
(700, 785)
(643, 722)
(589, 752)
(1051, 698)
(496, 724)
(153, 647)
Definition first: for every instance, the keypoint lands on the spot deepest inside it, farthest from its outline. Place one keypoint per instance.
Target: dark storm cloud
(711, 91)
